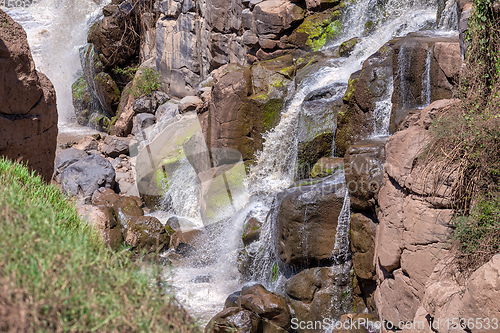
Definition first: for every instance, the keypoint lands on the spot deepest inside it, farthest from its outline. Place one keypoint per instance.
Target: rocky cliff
(28, 114)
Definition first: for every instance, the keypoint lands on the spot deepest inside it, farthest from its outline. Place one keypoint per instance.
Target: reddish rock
(28, 114)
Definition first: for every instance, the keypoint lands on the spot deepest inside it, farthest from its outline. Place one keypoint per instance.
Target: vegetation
(55, 275)
(466, 145)
(147, 82)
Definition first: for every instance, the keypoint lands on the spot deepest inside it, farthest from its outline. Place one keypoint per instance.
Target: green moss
(348, 96)
(271, 113)
(320, 28)
(79, 90)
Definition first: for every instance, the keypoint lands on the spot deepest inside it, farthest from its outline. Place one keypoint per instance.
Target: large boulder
(276, 16)
(266, 304)
(28, 114)
(318, 293)
(364, 172)
(84, 177)
(307, 218)
(64, 159)
(367, 108)
(146, 233)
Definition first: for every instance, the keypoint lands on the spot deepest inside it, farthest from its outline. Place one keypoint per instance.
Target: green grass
(53, 266)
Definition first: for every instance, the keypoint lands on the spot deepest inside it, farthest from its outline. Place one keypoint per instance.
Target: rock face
(28, 114)
(414, 220)
(307, 223)
(193, 39)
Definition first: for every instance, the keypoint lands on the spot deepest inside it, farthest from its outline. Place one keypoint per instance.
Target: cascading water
(274, 167)
(56, 30)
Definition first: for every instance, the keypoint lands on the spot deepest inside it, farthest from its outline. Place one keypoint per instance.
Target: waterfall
(426, 80)
(56, 29)
(449, 16)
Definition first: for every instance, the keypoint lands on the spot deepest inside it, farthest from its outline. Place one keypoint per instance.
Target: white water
(56, 29)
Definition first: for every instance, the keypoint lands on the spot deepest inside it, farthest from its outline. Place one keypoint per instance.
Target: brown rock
(234, 319)
(147, 233)
(102, 218)
(364, 172)
(275, 16)
(307, 223)
(266, 304)
(28, 114)
(105, 197)
(251, 232)
(126, 209)
(363, 231)
(326, 166)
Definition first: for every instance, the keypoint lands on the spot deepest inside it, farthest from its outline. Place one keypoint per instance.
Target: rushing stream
(57, 29)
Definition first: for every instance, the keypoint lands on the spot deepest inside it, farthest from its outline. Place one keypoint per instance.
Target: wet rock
(103, 220)
(146, 233)
(187, 240)
(368, 90)
(317, 127)
(307, 219)
(363, 231)
(310, 293)
(266, 304)
(64, 159)
(190, 103)
(84, 177)
(251, 232)
(234, 319)
(231, 300)
(82, 100)
(28, 116)
(114, 146)
(346, 48)
(104, 197)
(145, 105)
(316, 29)
(364, 172)
(107, 91)
(141, 122)
(126, 209)
(327, 166)
(321, 4)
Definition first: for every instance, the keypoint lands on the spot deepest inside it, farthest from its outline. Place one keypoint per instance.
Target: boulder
(102, 218)
(114, 146)
(167, 111)
(364, 172)
(363, 231)
(266, 304)
(107, 92)
(146, 233)
(318, 293)
(234, 319)
(276, 16)
(28, 114)
(316, 29)
(104, 197)
(190, 103)
(251, 232)
(141, 122)
(145, 105)
(64, 159)
(84, 177)
(327, 166)
(87, 144)
(307, 218)
(366, 110)
(82, 100)
(127, 209)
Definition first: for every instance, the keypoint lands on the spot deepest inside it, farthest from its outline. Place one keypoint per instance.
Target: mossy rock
(309, 152)
(327, 166)
(126, 209)
(317, 29)
(82, 100)
(251, 232)
(147, 233)
(346, 48)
